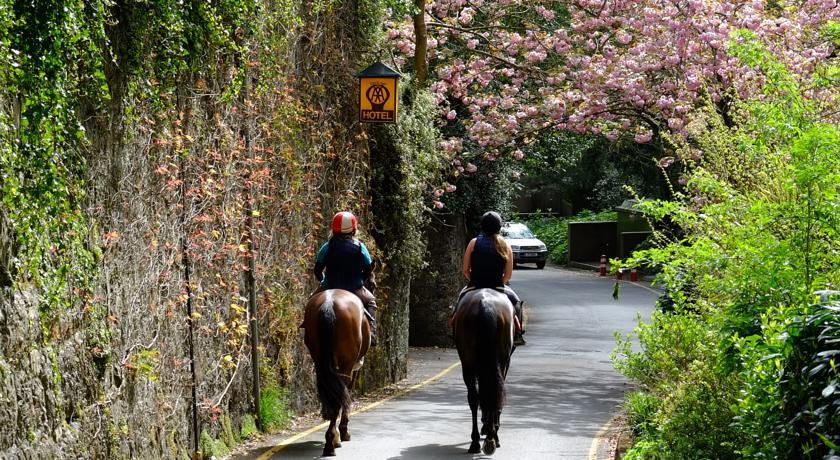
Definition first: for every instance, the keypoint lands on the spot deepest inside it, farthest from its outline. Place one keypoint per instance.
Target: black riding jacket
(487, 266)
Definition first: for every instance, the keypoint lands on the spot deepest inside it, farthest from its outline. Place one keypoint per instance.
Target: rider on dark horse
(488, 263)
(343, 262)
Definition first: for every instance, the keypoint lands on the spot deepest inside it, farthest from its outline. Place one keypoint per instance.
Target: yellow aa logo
(378, 101)
(377, 95)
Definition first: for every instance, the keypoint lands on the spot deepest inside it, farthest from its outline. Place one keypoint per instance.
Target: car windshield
(517, 231)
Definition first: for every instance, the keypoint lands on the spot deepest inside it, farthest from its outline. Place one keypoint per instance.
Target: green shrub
(645, 449)
(669, 344)
(684, 408)
(791, 403)
(274, 407)
(642, 408)
(743, 363)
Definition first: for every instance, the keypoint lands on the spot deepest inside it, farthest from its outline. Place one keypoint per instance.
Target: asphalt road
(561, 386)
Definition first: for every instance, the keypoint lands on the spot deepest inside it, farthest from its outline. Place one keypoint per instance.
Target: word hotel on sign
(376, 115)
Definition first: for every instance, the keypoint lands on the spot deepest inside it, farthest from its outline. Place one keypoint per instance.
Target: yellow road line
(282, 444)
(593, 448)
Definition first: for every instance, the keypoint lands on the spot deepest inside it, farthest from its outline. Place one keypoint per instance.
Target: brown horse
(337, 336)
(484, 336)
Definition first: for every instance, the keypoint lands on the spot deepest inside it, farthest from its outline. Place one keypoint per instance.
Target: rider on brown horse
(488, 263)
(344, 262)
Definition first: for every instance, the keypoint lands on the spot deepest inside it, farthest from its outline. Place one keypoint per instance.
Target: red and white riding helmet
(344, 222)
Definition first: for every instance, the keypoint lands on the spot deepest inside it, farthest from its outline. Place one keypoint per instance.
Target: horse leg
(342, 426)
(472, 398)
(336, 433)
(345, 417)
(497, 425)
(490, 441)
(330, 440)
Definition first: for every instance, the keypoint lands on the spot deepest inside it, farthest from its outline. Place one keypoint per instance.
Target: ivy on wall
(150, 150)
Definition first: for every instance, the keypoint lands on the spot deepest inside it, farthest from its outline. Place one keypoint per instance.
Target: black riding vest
(344, 264)
(487, 267)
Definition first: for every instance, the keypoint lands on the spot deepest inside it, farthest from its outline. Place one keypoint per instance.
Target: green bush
(684, 407)
(642, 408)
(743, 363)
(791, 405)
(554, 231)
(274, 408)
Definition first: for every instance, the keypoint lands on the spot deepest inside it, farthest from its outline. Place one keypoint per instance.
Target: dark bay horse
(337, 336)
(483, 325)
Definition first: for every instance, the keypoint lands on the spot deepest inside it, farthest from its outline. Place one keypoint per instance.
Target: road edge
(280, 445)
(608, 442)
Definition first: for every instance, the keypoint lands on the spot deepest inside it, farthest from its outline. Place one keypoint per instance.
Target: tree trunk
(421, 67)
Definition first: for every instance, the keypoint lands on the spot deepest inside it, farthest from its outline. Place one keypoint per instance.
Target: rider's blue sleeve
(322, 253)
(366, 255)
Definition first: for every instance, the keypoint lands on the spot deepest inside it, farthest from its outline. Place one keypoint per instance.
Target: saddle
(501, 289)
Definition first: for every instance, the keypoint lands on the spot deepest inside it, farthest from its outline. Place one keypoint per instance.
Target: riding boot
(370, 308)
(517, 335)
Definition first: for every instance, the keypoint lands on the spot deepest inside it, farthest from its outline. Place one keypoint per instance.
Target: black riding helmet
(491, 223)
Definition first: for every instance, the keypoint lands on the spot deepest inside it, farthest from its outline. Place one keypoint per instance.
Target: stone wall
(435, 288)
(182, 187)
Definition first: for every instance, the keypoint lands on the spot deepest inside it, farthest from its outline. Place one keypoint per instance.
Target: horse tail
(332, 391)
(491, 381)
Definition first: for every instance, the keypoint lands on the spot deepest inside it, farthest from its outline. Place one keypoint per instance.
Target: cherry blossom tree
(509, 69)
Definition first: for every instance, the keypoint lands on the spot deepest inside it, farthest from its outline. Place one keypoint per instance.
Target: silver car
(526, 248)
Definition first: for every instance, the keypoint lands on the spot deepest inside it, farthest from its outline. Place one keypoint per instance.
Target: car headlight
(514, 247)
(542, 247)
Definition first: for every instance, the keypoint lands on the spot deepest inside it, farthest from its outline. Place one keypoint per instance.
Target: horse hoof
(489, 446)
(328, 453)
(474, 448)
(345, 436)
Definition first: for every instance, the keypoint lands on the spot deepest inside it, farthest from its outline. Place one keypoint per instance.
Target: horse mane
(332, 391)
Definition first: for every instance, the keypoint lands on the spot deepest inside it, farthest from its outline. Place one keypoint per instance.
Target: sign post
(378, 94)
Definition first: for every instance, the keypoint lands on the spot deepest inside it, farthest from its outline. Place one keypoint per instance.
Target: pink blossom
(471, 168)
(624, 38)
(466, 16)
(451, 115)
(643, 137)
(518, 154)
(666, 162)
(546, 13)
(451, 188)
(438, 204)
(615, 59)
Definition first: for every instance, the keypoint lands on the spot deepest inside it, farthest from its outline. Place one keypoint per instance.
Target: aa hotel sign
(378, 94)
